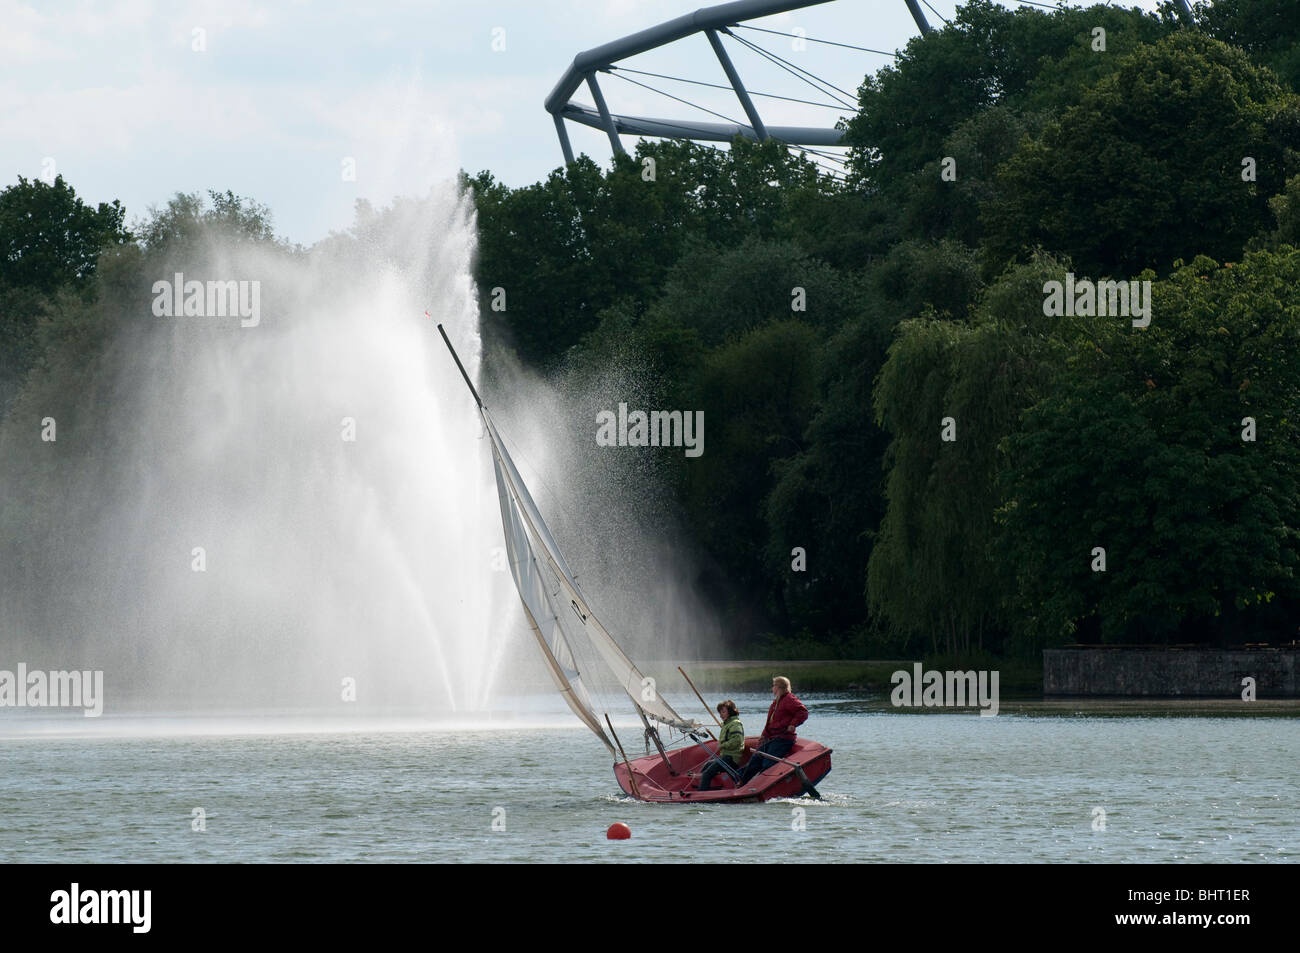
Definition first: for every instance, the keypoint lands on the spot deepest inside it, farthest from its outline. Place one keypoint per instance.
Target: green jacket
(731, 739)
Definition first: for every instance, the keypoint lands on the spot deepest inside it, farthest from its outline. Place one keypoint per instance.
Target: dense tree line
(904, 450)
(993, 157)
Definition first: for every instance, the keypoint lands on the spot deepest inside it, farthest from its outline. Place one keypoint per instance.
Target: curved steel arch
(709, 21)
(706, 20)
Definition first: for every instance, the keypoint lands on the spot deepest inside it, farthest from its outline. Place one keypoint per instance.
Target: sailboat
(571, 638)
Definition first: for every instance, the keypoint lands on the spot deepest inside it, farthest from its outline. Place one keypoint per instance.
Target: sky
(308, 106)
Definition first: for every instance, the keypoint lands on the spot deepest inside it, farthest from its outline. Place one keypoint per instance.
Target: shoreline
(1017, 678)
(1020, 688)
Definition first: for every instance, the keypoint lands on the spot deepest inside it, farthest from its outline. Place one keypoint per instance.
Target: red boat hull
(658, 782)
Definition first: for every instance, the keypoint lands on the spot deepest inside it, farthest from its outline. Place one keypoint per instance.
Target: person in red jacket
(785, 714)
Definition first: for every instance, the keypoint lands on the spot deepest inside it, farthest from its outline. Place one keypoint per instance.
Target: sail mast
(456, 357)
(536, 562)
(637, 687)
(525, 569)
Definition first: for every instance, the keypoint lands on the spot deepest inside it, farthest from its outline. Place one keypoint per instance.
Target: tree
(186, 219)
(988, 56)
(1165, 135)
(21, 310)
(1141, 451)
(567, 249)
(947, 395)
(917, 275)
(49, 238)
(757, 393)
(936, 207)
(49, 241)
(827, 499)
(1267, 30)
(1286, 210)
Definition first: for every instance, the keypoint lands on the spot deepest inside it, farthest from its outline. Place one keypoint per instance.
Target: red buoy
(618, 831)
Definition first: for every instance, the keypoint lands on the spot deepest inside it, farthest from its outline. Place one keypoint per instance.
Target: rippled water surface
(905, 787)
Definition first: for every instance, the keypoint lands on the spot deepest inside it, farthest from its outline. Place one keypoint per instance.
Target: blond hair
(782, 681)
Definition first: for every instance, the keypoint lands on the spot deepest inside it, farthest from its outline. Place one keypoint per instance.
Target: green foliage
(21, 311)
(568, 248)
(917, 275)
(724, 292)
(827, 498)
(924, 299)
(757, 393)
(61, 255)
(179, 227)
(943, 208)
(931, 573)
(836, 225)
(910, 560)
(1286, 211)
(1267, 30)
(50, 239)
(1140, 450)
(990, 55)
(1128, 178)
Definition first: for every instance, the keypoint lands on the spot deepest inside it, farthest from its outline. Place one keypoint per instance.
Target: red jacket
(784, 715)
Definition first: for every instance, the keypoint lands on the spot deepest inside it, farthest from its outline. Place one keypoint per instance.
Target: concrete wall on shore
(1170, 672)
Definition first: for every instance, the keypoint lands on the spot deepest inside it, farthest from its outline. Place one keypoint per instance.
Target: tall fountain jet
(269, 511)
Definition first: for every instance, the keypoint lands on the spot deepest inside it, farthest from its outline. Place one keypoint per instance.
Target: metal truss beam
(706, 20)
(703, 131)
(922, 23)
(709, 21)
(733, 77)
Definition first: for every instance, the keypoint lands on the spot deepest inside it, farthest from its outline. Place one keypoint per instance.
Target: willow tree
(949, 393)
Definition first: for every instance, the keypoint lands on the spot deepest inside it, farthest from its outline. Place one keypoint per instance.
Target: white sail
(529, 575)
(550, 594)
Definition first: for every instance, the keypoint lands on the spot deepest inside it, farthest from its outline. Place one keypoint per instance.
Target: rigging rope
(837, 174)
(937, 13)
(517, 454)
(791, 68)
(671, 96)
(697, 82)
(795, 66)
(850, 46)
(830, 173)
(843, 160)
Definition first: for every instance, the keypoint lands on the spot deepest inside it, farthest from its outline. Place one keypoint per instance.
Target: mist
(296, 509)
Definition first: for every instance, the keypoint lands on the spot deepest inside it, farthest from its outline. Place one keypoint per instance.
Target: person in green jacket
(731, 743)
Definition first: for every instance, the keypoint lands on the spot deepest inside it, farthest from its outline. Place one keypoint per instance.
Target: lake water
(951, 787)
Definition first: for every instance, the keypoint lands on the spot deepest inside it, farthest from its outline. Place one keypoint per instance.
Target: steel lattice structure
(711, 21)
